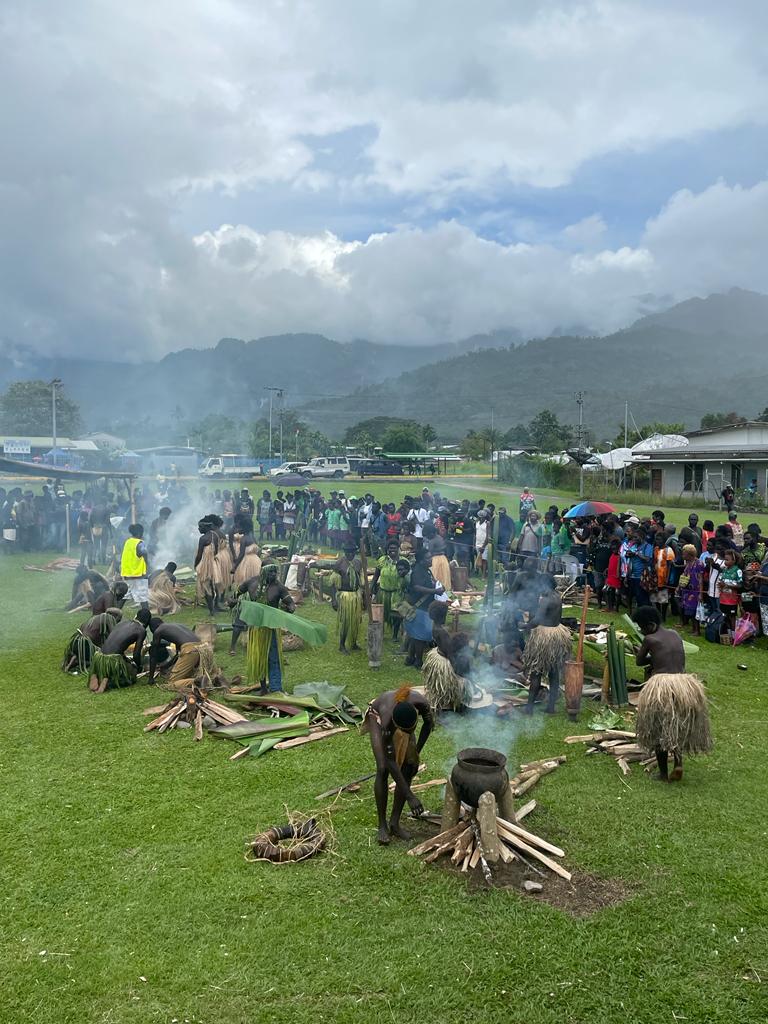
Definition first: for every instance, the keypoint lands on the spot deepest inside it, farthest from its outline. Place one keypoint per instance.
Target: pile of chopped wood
(621, 744)
(481, 838)
(190, 710)
(533, 772)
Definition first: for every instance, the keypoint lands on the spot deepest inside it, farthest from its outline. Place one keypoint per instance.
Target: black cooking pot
(477, 771)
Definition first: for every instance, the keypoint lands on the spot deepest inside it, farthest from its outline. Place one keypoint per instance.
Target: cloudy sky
(176, 172)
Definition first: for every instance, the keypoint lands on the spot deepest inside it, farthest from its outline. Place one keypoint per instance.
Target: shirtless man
(391, 721)
(112, 598)
(164, 635)
(266, 588)
(95, 630)
(110, 665)
(547, 647)
(672, 714)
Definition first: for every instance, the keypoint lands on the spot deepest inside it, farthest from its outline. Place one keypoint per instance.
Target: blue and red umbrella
(589, 508)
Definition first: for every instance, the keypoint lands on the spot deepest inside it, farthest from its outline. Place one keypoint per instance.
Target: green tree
(429, 434)
(216, 433)
(720, 419)
(406, 437)
(25, 408)
(372, 431)
(548, 433)
(479, 444)
(517, 437)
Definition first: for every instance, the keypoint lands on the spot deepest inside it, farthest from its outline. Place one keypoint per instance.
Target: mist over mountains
(698, 356)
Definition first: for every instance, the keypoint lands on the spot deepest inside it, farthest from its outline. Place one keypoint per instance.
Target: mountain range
(699, 356)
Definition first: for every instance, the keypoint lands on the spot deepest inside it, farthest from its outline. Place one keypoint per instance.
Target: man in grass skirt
(110, 667)
(672, 714)
(87, 638)
(548, 645)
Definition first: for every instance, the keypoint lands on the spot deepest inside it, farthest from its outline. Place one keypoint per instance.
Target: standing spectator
(729, 497)
(663, 558)
(265, 514)
(598, 559)
(729, 586)
(737, 530)
(531, 540)
(690, 588)
(527, 504)
(245, 503)
(289, 515)
(506, 536)
(639, 554)
(707, 531)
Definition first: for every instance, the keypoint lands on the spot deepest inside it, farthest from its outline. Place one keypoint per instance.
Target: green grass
(122, 860)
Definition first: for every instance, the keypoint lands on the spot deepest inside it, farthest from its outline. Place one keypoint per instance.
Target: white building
(735, 454)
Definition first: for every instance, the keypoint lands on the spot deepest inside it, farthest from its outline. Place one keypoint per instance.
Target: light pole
(272, 391)
(55, 383)
(580, 403)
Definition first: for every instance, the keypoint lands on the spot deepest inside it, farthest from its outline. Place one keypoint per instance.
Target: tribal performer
(110, 668)
(162, 591)
(444, 687)
(79, 651)
(265, 608)
(346, 598)
(390, 580)
(672, 715)
(391, 721)
(114, 597)
(547, 647)
(206, 566)
(246, 562)
(192, 661)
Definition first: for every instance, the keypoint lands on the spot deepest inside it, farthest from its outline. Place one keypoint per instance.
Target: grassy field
(126, 898)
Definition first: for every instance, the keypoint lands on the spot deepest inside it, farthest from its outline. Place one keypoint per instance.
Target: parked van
(326, 467)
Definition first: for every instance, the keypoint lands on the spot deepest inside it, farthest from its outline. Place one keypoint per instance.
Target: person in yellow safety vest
(133, 565)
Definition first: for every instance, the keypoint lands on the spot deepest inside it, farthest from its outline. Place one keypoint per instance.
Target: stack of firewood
(476, 841)
(532, 772)
(620, 744)
(190, 709)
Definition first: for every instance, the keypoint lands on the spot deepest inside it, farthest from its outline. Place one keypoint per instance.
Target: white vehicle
(233, 466)
(326, 467)
(286, 467)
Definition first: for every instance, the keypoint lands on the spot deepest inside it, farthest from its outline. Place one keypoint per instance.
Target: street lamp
(54, 385)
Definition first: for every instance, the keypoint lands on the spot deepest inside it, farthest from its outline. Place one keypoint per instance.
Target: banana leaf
(285, 727)
(326, 694)
(265, 700)
(254, 613)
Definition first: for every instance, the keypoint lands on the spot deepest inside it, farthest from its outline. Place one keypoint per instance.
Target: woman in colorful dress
(689, 588)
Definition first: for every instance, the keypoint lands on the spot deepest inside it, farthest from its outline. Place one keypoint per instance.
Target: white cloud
(113, 114)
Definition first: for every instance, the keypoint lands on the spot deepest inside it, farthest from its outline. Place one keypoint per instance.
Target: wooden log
(531, 851)
(559, 759)
(474, 860)
(515, 830)
(486, 819)
(506, 804)
(523, 811)
(467, 859)
(619, 734)
(375, 644)
(505, 853)
(156, 711)
(299, 741)
(591, 737)
(437, 840)
(158, 722)
(625, 769)
(421, 785)
(528, 784)
(451, 807)
(242, 752)
(199, 725)
(463, 846)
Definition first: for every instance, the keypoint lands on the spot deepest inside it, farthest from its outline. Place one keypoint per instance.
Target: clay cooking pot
(477, 771)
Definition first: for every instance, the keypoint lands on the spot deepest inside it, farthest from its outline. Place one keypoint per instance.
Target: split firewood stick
(440, 850)
(170, 722)
(348, 786)
(156, 711)
(559, 759)
(619, 734)
(625, 769)
(299, 741)
(508, 827)
(421, 785)
(525, 809)
(529, 784)
(199, 725)
(463, 844)
(505, 853)
(161, 722)
(467, 860)
(591, 737)
(428, 844)
(531, 851)
(242, 752)
(474, 860)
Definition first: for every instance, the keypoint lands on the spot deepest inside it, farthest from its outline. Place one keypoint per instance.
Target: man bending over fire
(391, 721)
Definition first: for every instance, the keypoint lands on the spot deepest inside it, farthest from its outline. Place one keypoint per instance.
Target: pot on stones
(477, 771)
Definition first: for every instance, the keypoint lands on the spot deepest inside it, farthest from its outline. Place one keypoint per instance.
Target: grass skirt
(546, 650)
(194, 664)
(350, 610)
(224, 559)
(162, 596)
(208, 574)
(249, 567)
(116, 669)
(388, 600)
(257, 659)
(80, 647)
(442, 687)
(441, 570)
(672, 715)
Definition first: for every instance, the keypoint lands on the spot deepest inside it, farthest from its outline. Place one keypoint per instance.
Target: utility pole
(55, 383)
(580, 403)
(280, 396)
(272, 391)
